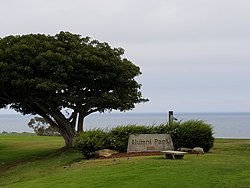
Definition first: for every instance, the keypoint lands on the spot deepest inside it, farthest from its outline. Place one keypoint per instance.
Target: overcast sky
(194, 54)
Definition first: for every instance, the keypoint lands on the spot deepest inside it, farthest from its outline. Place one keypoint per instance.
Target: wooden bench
(174, 154)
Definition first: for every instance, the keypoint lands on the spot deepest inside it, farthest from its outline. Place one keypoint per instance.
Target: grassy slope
(227, 165)
(15, 147)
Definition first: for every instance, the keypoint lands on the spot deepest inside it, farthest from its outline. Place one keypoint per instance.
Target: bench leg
(173, 156)
(169, 156)
(179, 156)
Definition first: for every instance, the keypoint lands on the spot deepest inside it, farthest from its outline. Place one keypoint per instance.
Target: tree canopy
(46, 75)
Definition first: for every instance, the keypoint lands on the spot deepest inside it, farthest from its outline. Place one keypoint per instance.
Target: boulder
(198, 150)
(105, 153)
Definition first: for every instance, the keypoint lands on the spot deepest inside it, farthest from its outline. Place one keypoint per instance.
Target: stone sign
(149, 142)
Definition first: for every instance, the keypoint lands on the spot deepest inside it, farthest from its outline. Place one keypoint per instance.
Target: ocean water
(226, 125)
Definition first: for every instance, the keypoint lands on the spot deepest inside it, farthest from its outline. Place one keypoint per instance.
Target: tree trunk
(80, 122)
(68, 139)
(58, 120)
(73, 122)
(67, 131)
(68, 136)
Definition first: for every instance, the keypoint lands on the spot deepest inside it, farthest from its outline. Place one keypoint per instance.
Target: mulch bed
(133, 154)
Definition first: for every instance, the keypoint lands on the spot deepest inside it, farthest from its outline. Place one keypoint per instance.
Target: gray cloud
(194, 54)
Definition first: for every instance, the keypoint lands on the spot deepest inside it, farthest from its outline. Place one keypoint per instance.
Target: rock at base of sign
(105, 153)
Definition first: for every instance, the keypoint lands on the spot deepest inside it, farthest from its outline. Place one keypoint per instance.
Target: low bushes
(118, 136)
(193, 133)
(90, 141)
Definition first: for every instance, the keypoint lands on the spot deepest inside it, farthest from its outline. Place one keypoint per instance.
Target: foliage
(118, 136)
(42, 128)
(45, 75)
(90, 141)
(192, 133)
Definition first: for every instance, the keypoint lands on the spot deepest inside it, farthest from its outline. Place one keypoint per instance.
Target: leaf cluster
(65, 71)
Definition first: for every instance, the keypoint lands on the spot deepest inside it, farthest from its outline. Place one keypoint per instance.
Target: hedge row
(193, 133)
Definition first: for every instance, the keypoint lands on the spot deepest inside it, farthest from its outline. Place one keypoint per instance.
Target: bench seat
(169, 154)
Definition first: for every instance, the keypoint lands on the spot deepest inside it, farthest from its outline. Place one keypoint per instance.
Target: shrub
(159, 129)
(192, 133)
(118, 136)
(90, 141)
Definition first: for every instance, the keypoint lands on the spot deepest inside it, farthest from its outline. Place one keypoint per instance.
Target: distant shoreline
(131, 113)
(226, 124)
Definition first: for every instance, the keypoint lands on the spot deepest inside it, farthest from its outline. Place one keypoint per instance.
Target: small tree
(44, 75)
(42, 128)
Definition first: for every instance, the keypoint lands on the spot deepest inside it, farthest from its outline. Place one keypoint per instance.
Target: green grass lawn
(14, 147)
(226, 165)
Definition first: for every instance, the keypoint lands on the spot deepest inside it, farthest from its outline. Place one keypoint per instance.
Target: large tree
(64, 78)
